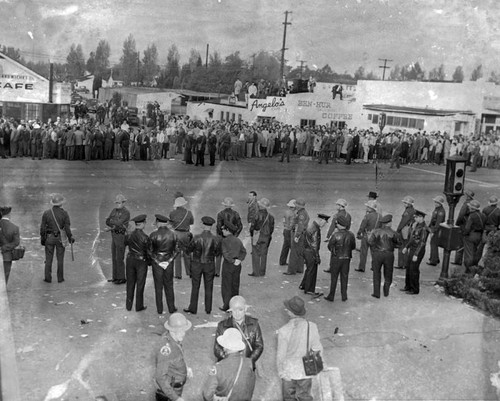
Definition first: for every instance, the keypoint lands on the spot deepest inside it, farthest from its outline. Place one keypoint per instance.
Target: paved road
(427, 347)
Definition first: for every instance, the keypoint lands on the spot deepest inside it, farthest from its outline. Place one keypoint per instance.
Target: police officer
(472, 234)
(312, 243)
(261, 231)
(9, 239)
(438, 217)
(369, 223)
(163, 249)
(171, 370)
(301, 221)
(55, 220)
(139, 251)
(404, 227)
(117, 223)
(182, 219)
(491, 225)
(341, 211)
(231, 219)
(382, 242)
(288, 219)
(461, 220)
(205, 247)
(415, 247)
(232, 377)
(341, 244)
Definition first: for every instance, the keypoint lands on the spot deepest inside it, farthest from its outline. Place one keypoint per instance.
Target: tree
(458, 75)
(102, 57)
(172, 68)
(494, 77)
(215, 60)
(372, 76)
(194, 59)
(360, 73)
(91, 63)
(150, 64)
(75, 62)
(129, 61)
(14, 54)
(437, 74)
(395, 74)
(477, 73)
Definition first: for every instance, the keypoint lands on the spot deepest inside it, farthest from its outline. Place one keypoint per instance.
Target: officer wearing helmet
(472, 234)
(171, 369)
(404, 228)
(438, 217)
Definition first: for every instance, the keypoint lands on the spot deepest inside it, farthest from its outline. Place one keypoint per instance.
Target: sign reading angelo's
(259, 104)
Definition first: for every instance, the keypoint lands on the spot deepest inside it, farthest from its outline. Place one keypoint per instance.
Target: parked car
(92, 105)
(75, 97)
(132, 117)
(82, 88)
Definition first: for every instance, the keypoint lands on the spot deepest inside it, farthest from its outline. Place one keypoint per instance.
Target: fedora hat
(295, 305)
(228, 202)
(57, 200)
(120, 198)
(180, 201)
(177, 322)
(341, 202)
(231, 340)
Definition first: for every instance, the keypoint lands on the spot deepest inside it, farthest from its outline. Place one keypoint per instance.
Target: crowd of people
(210, 253)
(166, 137)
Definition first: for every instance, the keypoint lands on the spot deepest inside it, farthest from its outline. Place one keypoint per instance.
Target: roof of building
(23, 67)
(182, 92)
(415, 110)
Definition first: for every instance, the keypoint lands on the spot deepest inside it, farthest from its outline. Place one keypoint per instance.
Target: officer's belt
(135, 256)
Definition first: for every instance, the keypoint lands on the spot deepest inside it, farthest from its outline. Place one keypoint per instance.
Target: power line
(384, 67)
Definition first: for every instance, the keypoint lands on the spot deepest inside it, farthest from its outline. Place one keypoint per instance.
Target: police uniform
(163, 247)
(232, 248)
(171, 370)
(263, 226)
(139, 249)
(368, 224)
(287, 234)
(415, 247)
(118, 222)
(461, 220)
(403, 228)
(227, 218)
(222, 376)
(182, 219)
(9, 239)
(301, 221)
(472, 234)
(438, 217)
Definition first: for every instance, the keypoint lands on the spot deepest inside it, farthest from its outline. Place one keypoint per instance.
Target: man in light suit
(9, 239)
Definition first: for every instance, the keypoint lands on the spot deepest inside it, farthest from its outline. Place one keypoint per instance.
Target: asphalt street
(76, 341)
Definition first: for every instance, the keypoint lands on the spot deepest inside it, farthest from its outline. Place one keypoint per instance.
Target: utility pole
(282, 69)
(206, 57)
(301, 66)
(384, 67)
(253, 64)
(138, 67)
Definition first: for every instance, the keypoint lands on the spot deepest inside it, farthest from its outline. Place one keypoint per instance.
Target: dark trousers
(137, 271)
(7, 265)
(323, 155)
(363, 253)
(385, 260)
(339, 267)
(230, 282)
(311, 273)
(412, 279)
(164, 281)
(54, 244)
(285, 154)
(402, 257)
(125, 153)
(287, 235)
(434, 256)
(200, 157)
(207, 271)
(211, 154)
(164, 150)
(259, 256)
(471, 249)
(296, 261)
(118, 255)
(296, 390)
(178, 264)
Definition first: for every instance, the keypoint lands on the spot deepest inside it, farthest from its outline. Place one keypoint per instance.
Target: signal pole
(301, 67)
(283, 48)
(384, 67)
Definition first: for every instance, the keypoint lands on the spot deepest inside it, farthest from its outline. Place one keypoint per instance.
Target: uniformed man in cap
(233, 377)
(341, 244)
(404, 227)
(301, 221)
(472, 234)
(369, 223)
(234, 253)
(231, 219)
(341, 211)
(163, 249)
(461, 220)
(261, 231)
(438, 217)
(9, 239)
(312, 243)
(491, 225)
(415, 247)
(55, 220)
(138, 258)
(383, 241)
(117, 223)
(204, 248)
(288, 220)
(181, 220)
(171, 369)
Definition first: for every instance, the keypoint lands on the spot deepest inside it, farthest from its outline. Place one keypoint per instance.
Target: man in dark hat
(117, 223)
(234, 253)
(231, 219)
(368, 224)
(9, 239)
(372, 195)
(54, 222)
(261, 231)
(204, 248)
(139, 251)
(461, 220)
(341, 244)
(312, 242)
(382, 243)
(293, 338)
(415, 247)
(163, 248)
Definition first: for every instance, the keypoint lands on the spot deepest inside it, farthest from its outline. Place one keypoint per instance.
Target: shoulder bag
(226, 397)
(313, 364)
(62, 233)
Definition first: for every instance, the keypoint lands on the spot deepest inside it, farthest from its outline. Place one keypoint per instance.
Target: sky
(344, 34)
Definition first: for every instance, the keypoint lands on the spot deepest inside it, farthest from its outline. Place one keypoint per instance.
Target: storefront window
(33, 111)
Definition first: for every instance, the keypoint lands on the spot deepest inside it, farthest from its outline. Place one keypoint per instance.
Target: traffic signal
(455, 176)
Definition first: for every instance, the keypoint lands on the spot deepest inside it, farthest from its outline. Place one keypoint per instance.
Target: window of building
(412, 123)
(489, 119)
(222, 116)
(33, 111)
(397, 121)
(227, 115)
(404, 122)
(233, 117)
(369, 117)
(375, 119)
(303, 123)
(420, 124)
(239, 118)
(389, 120)
(13, 110)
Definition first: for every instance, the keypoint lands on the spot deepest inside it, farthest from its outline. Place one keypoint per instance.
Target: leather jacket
(205, 247)
(253, 335)
(163, 244)
(384, 239)
(341, 244)
(231, 219)
(313, 237)
(139, 245)
(438, 217)
(418, 237)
